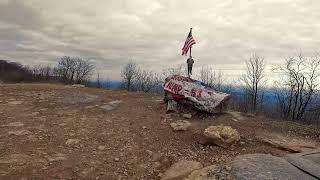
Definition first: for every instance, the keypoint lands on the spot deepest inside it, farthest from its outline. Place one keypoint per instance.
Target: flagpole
(190, 47)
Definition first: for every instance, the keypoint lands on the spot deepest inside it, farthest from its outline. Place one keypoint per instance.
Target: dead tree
(301, 79)
(128, 74)
(253, 79)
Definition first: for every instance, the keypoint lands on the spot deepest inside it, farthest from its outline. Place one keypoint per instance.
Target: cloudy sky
(152, 32)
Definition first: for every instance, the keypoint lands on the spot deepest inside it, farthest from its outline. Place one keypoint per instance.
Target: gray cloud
(151, 32)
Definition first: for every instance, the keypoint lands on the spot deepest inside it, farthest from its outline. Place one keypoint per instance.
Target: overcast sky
(152, 32)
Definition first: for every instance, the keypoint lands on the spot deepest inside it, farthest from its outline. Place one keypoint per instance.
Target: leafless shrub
(42, 72)
(137, 79)
(179, 70)
(212, 78)
(147, 80)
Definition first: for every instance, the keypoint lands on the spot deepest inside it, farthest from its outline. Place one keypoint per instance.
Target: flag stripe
(188, 44)
(188, 40)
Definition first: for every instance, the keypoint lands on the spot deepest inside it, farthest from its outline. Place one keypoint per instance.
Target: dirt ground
(63, 132)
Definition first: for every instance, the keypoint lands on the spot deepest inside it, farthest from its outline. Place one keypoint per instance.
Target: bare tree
(83, 70)
(128, 74)
(65, 69)
(253, 79)
(299, 83)
(178, 70)
(147, 80)
(42, 72)
(207, 75)
(212, 78)
(74, 70)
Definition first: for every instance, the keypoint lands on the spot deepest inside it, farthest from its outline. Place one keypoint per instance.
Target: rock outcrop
(265, 166)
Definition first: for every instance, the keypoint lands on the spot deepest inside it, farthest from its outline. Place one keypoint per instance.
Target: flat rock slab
(107, 107)
(15, 102)
(264, 166)
(22, 132)
(287, 143)
(15, 159)
(111, 105)
(308, 162)
(71, 142)
(13, 124)
(57, 157)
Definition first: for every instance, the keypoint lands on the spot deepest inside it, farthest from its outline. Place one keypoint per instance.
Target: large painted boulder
(200, 95)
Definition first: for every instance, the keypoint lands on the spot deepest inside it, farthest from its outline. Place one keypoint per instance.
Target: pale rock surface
(181, 125)
(223, 136)
(181, 170)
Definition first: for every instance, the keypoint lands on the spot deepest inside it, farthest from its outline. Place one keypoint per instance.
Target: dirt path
(55, 131)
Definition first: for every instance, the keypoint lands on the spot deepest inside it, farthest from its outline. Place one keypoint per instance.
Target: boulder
(199, 95)
(181, 170)
(181, 125)
(223, 136)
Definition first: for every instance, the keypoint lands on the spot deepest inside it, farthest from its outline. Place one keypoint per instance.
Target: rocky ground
(65, 132)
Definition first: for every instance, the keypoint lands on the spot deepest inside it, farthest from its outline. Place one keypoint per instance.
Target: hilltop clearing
(57, 131)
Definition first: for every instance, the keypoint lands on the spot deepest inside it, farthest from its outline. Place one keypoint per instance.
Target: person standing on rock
(190, 62)
(187, 46)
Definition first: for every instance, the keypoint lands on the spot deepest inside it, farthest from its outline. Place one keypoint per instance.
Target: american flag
(188, 44)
